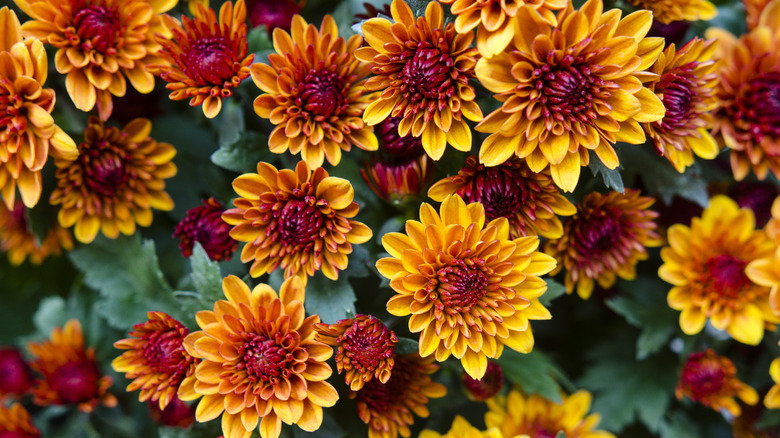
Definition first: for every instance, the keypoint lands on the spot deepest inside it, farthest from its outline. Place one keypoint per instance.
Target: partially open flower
(392, 144)
(711, 380)
(204, 224)
(15, 422)
(398, 182)
(18, 240)
(15, 376)
(666, 11)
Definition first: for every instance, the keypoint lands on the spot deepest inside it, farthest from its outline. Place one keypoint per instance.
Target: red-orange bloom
(18, 240)
(204, 224)
(15, 422)
(711, 380)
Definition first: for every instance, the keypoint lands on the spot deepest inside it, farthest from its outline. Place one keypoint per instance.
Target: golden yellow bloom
(114, 182)
(461, 428)
(315, 93)
(15, 422)
(772, 398)
(18, 240)
(101, 45)
(27, 129)
(666, 11)
(260, 359)
(536, 416)
(570, 88)
(298, 220)
(711, 380)
(706, 265)
(469, 289)
(423, 70)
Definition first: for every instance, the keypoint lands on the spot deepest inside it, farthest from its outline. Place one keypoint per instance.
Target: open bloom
(706, 265)
(607, 237)
(205, 59)
(297, 220)
(529, 200)
(570, 88)
(101, 44)
(18, 240)
(711, 379)
(204, 224)
(469, 289)
(666, 11)
(260, 359)
(461, 428)
(15, 422)
(423, 70)
(114, 182)
(314, 93)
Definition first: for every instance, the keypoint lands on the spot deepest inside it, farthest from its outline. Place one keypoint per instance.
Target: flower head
(488, 386)
(753, 10)
(570, 88)
(15, 375)
(706, 265)
(392, 144)
(711, 380)
(176, 414)
(260, 359)
(205, 60)
(605, 239)
(313, 93)
(666, 11)
(399, 182)
(365, 348)
(423, 71)
(529, 200)
(15, 422)
(298, 220)
(469, 289)
(18, 240)
(114, 182)
(204, 224)
(461, 428)
(273, 13)
(70, 372)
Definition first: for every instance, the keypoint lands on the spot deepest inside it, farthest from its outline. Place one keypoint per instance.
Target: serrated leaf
(243, 154)
(534, 372)
(331, 300)
(406, 346)
(611, 177)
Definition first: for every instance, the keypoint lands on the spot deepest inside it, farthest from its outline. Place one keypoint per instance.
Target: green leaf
(258, 40)
(678, 425)
(406, 346)
(561, 434)
(661, 179)
(611, 177)
(554, 290)
(243, 154)
(206, 275)
(534, 372)
(51, 313)
(332, 300)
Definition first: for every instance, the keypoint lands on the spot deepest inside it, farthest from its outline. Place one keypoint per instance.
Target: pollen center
(726, 275)
(76, 381)
(268, 359)
(462, 284)
(321, 93)
(427, 75)
(298, 224)
(209, 61)
(98, 28)
(105, 168)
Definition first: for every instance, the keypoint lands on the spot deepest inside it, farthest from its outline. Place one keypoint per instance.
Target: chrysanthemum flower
(27, 129)
(297, 220)
(757, 196)
(101, 45)
(666, 11)
(15, 375)
(461, 428)
(70, 372)
(488, 386)
(765, 272)
(155, 360)
(686, 85)
(536, 416)
(753, 9)
(706, 264)
(423, 70)
(176, 414)
(18, 240)
(495, 20)
(469, 289)
(772, 398)
(387, 407)
(115, 182)
(711, 379)
(204, 224)
(394, 145)
(529, 200)
(315, 93)
(398, 182)
(15, 422)
(205, 59)
(365, 348)
(570, 88)
(260, 359)
(607, 237)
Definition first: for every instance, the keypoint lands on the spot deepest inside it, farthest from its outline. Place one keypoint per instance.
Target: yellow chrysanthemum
(666, 11)
(766, 272)
(18, 240)
(711, 379)
(461, 428)
(570, 88)
(706, 264)
(469, 289)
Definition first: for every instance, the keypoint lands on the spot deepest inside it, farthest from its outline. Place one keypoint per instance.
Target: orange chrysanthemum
(711, 380)
(570, 88)
(315, 93)
(397, 180)
(605, 239)
(706, 264)
(529, 200)
(686, 85)
(423, 70)
(15, 422)
(156, 359)
(70, 372)
(753, 9)
(365, 348)
(205, 59)
(667, 11)
(461, 428)
(115, 181)
(18, 240)
(260, 359)
(27, 129)
(101, 45)
(387, 407)
(536, 416)
(469, 289)
(297, 220)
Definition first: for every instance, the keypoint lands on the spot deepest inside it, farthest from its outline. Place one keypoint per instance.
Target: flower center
(703, 378)
(382, 397)
(366, 344)
(568, 91)
(678, 88)
(75, 382)
(599, 232)
(499, 191)
(427, 76)
(759, 105)
(209, 61)
(321, 93)
(726, 275)
(269, 359)
(105, 167)
(541, 432)
(98, 28)
(462, 284)
(163, 351)
(395, 145)
(298, 224)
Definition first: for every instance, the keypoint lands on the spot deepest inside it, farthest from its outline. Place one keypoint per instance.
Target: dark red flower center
(105, 167)
(726, 275)
(98, 27)
(679, 90)
(15, 376)
(702, 376)
(486, 387)
(462, 284)
(366, 343)
(209, 61)
(384, 397)
(568, 91)
(76, 382)
(164, 351)
(176, 414)
(599, 231)
(298, 224)
(759, 105)
(272, 13)
(395, 145)
(541, 431)
(501, 192)
(204, 224)
(271, 359)
(426, 76)
(322, 94)
(18, 433)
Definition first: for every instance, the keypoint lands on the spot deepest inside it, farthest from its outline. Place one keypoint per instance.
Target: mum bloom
(529, 200)
(667, 11)
(711, 379)
(27, 130)
(423, 71)
(536, 416)
(204, 224)
(469, 289)
(260, 359)
(488, 386)
(155, 360)
(314, 93)
(398, 182)
(706, 265)
(114, 182)
(461, 428)
(15, 422)
(101, 45)
(570, 88)
(18, 240)
(297, 220)
(607, 237)
(753, 9)
(15, 375)
(205, 60)
(70, 372)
